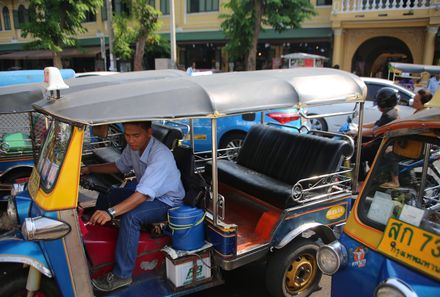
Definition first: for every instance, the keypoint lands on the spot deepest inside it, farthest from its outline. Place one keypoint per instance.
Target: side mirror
(100, 131)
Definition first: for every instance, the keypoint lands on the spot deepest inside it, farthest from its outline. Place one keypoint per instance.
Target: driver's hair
(143, 124)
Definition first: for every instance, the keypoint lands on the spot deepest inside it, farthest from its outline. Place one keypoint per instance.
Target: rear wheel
(293, 270)
(232, 142)
(15, 286)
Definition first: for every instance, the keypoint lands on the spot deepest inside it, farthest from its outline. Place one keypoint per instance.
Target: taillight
(283, 117)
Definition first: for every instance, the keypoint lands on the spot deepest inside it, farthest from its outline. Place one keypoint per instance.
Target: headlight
(17, 188)
(12, 211)
(331, 257)
(393, 287)
(42, 228)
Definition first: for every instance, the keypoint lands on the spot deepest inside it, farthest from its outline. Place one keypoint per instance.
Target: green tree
(242, 28)
(137, 28)
(53, 24)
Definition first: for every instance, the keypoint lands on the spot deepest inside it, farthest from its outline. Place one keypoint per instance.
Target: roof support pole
(214, 173)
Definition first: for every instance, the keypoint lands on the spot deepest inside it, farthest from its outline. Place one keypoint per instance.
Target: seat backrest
(288, 156)
(167, 135)
(195, 186)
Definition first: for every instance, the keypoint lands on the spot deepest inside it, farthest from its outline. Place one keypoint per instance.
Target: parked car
(371, 112)
(231, 130)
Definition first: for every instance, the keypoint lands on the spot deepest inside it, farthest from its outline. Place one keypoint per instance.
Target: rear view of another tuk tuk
(390, 245)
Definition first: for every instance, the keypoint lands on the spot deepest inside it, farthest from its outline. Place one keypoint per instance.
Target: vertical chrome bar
(214, 170)
(358, 149)
(424, 175)
(191, 133)
(262, 117)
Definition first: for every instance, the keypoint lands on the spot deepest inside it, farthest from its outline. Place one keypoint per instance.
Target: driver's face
(136, 137)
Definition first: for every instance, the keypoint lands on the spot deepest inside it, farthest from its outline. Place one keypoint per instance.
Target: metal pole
(214, 170)
(358, 149)
(173, 35)
(191, 133)
(421, 193)
(110, 34)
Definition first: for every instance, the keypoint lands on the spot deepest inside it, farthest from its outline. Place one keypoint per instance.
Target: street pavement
(248, 281)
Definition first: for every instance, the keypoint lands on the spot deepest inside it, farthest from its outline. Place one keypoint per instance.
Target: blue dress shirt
(156, 172)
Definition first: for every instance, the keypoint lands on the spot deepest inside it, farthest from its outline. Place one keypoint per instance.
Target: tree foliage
(137, 28)
(242, 27)
(53, 24)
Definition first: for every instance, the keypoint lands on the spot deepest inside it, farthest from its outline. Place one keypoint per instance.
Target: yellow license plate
(34, 183)
(413, 246)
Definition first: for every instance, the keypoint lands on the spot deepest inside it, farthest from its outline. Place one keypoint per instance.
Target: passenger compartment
(271, 161)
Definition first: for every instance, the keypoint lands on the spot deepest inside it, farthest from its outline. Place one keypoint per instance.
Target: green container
(16, 142)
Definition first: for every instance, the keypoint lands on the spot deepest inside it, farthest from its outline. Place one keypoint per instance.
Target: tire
(15, 285)
(293, 270)
(233, 142)
(318, 124)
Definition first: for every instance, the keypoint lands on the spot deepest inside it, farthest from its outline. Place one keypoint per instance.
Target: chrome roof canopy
(207, 96)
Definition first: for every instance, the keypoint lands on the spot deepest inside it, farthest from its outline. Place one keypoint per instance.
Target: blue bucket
(186, 224)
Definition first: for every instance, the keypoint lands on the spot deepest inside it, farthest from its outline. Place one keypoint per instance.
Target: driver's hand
(100, 217)
(85, 170)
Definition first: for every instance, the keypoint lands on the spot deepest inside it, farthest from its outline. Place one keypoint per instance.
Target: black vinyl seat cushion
(272, 160)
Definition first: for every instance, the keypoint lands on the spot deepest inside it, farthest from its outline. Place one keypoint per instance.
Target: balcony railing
(348, 6)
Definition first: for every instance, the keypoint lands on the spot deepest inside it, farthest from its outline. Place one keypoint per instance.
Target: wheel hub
(300, 274)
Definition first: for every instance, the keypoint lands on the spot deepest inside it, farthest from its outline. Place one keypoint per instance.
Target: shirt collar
(146, 153)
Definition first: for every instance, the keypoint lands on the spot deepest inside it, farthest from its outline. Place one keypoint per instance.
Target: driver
(159, 188)
(386, 100)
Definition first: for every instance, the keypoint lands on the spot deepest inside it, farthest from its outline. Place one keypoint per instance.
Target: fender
(25, 252)
(324, 232)
(22, 165)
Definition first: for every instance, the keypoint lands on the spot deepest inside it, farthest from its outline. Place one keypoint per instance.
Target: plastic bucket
(186, 224)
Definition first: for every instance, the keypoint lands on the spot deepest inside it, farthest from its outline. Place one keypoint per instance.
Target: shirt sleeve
(124, 161)
(156, 174)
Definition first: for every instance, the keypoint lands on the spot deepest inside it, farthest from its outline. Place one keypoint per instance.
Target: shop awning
(46, 54)
(301, 33)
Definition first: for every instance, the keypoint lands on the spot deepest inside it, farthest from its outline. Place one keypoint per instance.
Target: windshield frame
(45, 151)
(362, 208)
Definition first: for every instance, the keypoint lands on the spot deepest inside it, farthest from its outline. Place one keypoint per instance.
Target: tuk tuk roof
(19, 98)
(303, 56)
(207, 96)
(425, 119)
(415, 68)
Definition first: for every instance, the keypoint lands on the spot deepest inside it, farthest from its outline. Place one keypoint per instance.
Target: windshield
(404, 185)
(53, 153)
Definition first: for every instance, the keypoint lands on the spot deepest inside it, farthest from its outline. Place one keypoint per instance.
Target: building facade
(359, 35)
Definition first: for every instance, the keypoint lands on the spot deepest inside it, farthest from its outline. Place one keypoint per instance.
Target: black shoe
(110, 282)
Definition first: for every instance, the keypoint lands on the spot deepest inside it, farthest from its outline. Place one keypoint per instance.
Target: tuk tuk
(279, 201)
(16, 77)
(22, 130)
(303, 60)
(411, 76)
(390, 245)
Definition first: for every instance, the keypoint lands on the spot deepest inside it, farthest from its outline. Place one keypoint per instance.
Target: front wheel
(293, 270)
(15, 285)
(319, 124)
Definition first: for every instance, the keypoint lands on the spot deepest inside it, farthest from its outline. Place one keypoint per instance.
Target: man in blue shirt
(159, 188)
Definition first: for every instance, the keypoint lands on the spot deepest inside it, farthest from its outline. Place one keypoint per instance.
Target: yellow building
(358, 35)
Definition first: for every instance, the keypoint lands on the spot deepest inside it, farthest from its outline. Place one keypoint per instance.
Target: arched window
(23, 16)
(6, 18)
